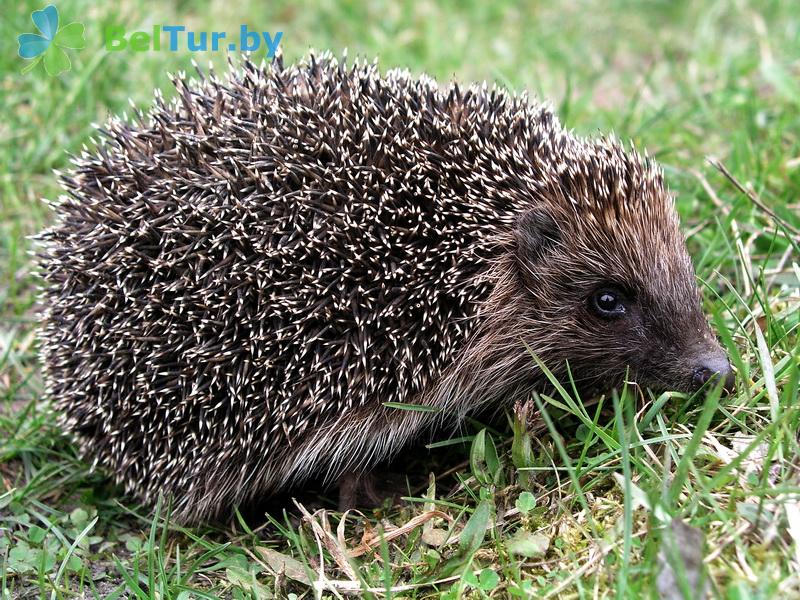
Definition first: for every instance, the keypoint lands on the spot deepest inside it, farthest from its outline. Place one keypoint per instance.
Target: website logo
(49, 46)
(179, 38)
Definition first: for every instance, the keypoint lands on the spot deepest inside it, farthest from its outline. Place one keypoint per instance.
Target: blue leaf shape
(32, 45)
(46, 20)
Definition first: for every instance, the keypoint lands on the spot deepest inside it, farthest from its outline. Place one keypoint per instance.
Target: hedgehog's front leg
(358, 489)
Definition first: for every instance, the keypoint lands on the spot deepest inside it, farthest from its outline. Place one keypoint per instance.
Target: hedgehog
(250, 284)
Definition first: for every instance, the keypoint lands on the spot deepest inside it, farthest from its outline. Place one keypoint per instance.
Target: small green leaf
(477, 456)
(74, 563)
(56, 61)
(133, 543)
(521, 446)
(475, 530)
(36, 534)
(71, 36)
(470, 579)
(483, 459)
(525, 503)
(79, 517)
(24, 559)
(488, 579)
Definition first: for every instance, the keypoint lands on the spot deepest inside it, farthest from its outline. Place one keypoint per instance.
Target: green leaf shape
(56, 61)
(475, 530)
(470, 539)
(483, 459)
(488, 579)
(71, 36)
(525, 503)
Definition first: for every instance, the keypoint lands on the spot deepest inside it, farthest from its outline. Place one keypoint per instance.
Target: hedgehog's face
(664, 341)
(616, 295)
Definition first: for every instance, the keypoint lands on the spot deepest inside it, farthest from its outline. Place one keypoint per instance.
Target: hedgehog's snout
(712, 364)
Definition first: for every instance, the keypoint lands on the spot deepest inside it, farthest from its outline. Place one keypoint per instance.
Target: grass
(634, 495)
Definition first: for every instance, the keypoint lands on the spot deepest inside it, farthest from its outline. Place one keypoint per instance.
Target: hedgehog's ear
(536, 233)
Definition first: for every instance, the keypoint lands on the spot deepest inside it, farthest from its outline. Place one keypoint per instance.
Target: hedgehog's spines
(244, 276)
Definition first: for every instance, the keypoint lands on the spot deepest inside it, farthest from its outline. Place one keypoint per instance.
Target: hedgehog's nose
(714, 366)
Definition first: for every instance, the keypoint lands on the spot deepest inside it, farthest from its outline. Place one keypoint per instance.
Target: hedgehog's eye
(607, 304)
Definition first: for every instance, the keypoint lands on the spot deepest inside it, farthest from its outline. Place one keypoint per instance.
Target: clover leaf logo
(49, 46)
